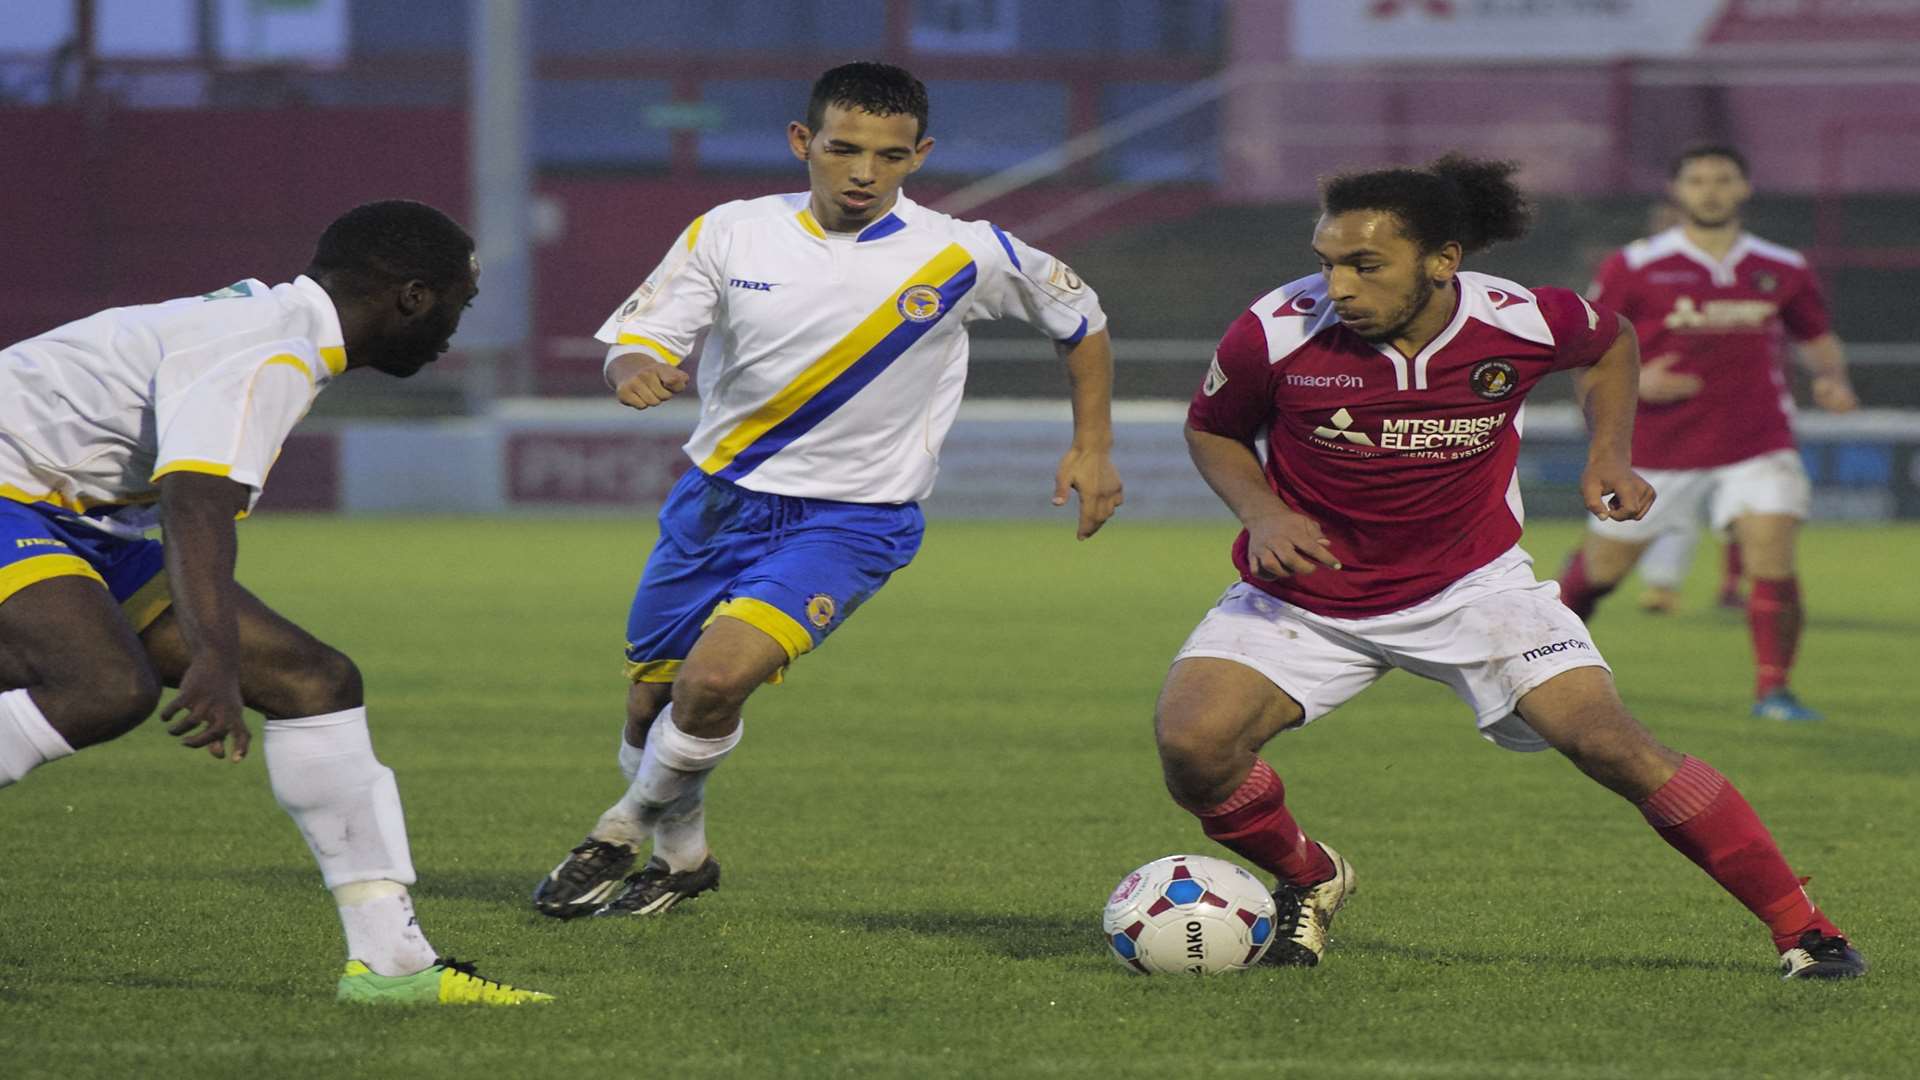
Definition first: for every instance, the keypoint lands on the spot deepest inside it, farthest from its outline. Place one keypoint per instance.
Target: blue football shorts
(40, 541)
(793, 567)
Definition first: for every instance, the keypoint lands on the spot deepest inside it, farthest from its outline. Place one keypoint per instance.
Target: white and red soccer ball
(1189, 913)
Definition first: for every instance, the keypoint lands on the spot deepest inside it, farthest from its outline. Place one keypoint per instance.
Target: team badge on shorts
(820, 610)
(921, 303)
(1493, 379)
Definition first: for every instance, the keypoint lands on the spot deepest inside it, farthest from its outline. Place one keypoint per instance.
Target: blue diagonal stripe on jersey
(850, 382)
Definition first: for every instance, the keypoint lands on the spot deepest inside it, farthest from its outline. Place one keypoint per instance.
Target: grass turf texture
(921, 827)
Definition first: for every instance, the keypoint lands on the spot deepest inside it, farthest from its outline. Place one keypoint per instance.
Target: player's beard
(1417, 302)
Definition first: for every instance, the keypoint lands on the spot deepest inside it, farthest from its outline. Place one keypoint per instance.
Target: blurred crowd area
(164, 147)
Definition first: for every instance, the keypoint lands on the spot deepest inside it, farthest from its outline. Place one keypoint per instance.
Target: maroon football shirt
(1406, 463)
(1722, 319)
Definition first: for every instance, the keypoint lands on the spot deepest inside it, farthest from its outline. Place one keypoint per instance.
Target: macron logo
(752, 286)
(1558, 646)
(1342, 382)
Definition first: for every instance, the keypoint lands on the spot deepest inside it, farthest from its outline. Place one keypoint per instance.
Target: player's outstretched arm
(1827, 364)
(1087, 467)
(1608, 393)
(1280, 542)
(641, 380)
(197, 511)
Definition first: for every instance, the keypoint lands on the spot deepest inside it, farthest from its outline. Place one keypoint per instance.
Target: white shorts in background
(1491, 636)
(1773, 483)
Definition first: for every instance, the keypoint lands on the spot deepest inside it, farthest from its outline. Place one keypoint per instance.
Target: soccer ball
(1189, 913)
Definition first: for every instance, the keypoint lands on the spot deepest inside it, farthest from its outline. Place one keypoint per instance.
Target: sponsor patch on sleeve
(1216, 378)
(641, 297)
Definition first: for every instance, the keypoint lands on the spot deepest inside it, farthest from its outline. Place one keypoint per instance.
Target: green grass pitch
(921, 827)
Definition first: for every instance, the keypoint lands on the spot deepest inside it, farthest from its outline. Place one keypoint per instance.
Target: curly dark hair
(379, 244)
(1472, 202)
(881, 89)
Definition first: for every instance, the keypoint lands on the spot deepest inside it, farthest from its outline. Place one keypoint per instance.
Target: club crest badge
(820, 610)
(921, 303)
(1494, 379)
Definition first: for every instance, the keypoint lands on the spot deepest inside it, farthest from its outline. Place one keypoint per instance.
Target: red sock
(1576, 591)
(1774, 617)
(1254, 824)
(1705, 818)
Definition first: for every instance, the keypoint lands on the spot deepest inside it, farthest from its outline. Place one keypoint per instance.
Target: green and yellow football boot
(447, 982)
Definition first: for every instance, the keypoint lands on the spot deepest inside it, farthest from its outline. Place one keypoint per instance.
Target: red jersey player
(1713, 431)
(1363, 424)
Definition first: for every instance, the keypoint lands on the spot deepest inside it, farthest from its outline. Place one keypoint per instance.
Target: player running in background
(836, 349)
(1714, 432)
(1363, 424)
(1667, 559)
(172, 414)
(1664, 565)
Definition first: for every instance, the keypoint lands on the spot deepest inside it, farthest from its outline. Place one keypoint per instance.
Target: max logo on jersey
(1493, 379)
(751, 286)
(920, 303)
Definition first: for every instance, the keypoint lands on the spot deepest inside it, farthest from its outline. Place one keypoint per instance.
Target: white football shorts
(1491, 636)
(1772, 483)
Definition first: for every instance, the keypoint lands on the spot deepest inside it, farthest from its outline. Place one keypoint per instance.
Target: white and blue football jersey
(833, 364)
(94, 413)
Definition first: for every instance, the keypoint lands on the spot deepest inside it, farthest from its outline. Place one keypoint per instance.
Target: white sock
(669, 785)
(382, 931)
(680, 836)
(26, 739)
(629, 758)
(1665, 562)
(325, 776)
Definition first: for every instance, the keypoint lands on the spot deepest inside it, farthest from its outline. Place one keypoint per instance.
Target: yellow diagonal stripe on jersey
(835, 361)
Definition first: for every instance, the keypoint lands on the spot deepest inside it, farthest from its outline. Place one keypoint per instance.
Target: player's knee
(704, 696)
(116, 699)
(134, 695)
(324, 681)
(1196, 757)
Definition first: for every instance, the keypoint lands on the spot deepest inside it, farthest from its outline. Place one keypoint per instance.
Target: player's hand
(1614, 492)
(646, 382)
(1285, 544)
(1662, 385)
(210, 699)
(1092, 474)
(1834, 393)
